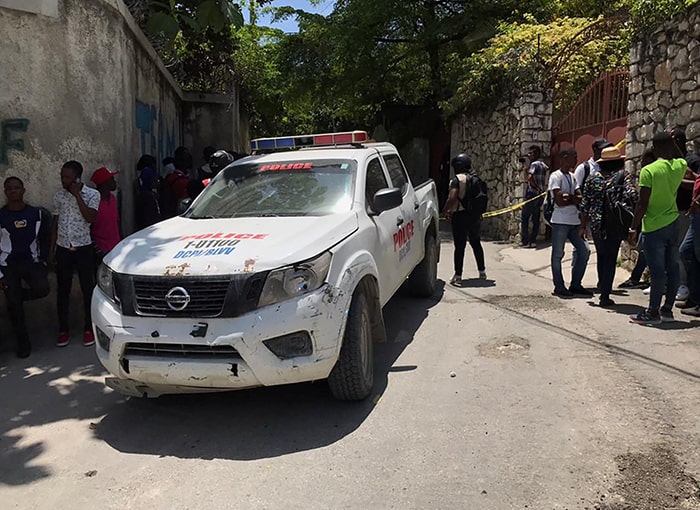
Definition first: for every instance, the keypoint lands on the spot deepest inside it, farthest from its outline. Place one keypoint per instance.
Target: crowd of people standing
(82, 229)
(664, 218)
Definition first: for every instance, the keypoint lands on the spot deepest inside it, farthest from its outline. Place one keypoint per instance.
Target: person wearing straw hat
(607, 240)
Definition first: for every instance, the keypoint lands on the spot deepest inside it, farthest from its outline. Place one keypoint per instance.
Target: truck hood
(183, 246)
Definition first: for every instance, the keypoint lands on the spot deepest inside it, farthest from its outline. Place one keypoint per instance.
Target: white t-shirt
(566, 182)
(580, 172)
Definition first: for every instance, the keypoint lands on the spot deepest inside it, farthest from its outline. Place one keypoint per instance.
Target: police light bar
(294, 142)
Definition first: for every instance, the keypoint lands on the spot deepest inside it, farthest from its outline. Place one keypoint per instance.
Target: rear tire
(423, 279)
(352, 377)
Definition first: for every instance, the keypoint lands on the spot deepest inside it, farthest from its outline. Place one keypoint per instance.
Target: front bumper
(241, 359)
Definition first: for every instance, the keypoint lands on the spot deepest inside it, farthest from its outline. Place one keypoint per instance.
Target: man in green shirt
(657, 214)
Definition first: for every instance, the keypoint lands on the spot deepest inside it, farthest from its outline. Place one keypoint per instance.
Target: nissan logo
(177, 299)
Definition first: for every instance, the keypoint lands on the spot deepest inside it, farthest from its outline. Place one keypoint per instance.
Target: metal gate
(601, 111)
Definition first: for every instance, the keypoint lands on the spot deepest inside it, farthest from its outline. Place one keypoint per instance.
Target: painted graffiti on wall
(157, 139)
(8, 137)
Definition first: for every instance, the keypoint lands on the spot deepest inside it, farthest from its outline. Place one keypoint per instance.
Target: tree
(169, 17)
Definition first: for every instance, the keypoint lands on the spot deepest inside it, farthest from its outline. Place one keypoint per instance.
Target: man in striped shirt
(24, 231)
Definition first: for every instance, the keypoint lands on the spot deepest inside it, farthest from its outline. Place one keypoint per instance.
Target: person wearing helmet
(465, 204)
(218, 161)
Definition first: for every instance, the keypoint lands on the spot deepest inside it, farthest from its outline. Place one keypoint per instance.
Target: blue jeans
(560, 233)
(661, 252)
(530, 211)
(690, 255)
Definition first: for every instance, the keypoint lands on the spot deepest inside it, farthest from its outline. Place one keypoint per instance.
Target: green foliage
(342, 69)
(647, 14)
(522, 55)
(168, 17)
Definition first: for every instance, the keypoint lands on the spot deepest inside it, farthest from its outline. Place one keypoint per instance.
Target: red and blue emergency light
(295, 142)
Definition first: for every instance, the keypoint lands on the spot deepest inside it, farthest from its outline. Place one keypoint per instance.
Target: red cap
(102, 175)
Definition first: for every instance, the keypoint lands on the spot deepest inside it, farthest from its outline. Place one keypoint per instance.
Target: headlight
(296, 280)
(105, 281)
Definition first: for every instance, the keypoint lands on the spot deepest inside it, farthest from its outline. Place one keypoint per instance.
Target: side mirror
(386, 199)
(183, 205)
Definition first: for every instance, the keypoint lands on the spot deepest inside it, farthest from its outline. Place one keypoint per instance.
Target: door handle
(399, 221)
(416, 206)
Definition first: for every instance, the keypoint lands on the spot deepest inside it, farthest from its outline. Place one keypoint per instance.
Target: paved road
(491, 396)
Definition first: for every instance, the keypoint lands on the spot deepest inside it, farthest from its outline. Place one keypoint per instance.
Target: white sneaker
(456, 280)
(683, 293)
(647, 291)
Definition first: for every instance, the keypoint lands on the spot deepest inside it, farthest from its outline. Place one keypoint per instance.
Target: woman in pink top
(105, 228)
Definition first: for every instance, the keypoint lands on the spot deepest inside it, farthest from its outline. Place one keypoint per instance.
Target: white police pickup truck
(276, 274)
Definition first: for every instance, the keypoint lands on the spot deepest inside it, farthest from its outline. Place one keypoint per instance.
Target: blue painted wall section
(8, 139)
(157, 138)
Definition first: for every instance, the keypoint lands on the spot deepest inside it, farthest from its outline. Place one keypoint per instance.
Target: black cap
(602, 143)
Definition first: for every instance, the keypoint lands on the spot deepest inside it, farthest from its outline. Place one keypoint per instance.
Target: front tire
(352, 377)
(423, 279)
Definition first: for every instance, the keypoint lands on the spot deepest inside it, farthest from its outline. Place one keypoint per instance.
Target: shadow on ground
(264, 422)
(249, 424)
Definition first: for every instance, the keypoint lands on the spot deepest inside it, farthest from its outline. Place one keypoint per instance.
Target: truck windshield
(284, 188)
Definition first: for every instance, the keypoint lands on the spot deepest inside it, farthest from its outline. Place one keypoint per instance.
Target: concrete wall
(494, 140)
(86, 84)
(214, 120)
(88, 89)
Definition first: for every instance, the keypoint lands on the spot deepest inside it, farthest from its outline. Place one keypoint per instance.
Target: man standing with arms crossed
(657, 215)
(566, 193)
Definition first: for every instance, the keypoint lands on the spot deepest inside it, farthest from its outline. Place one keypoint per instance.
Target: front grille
(188, 351)
(207, 297)
(210, 296)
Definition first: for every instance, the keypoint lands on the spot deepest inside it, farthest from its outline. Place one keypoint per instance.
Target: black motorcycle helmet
(220, 160)
(461, 163)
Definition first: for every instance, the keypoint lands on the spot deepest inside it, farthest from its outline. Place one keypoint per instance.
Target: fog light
(295, 345)
(102, 339)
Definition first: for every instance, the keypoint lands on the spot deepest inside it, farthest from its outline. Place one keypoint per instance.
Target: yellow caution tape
(515, 207)
(512, 208)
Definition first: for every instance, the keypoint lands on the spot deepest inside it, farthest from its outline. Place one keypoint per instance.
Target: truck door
(408, 238)
(385, 227)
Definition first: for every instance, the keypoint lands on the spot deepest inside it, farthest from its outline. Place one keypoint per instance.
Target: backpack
(476, 198)
(618, 208)
(586, 173)
(548, 209)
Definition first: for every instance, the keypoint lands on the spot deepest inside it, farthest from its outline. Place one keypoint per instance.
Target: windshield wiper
(195, 217)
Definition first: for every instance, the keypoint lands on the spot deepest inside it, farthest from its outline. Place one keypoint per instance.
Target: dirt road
(495, 395)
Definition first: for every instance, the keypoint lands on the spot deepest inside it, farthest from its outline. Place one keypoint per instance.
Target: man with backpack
(591, 166)
(467, 201)
(609, 199)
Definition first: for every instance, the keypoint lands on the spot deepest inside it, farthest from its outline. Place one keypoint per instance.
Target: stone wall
(665, 84)
(664, 90)
(495, 140)
(79, 80)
